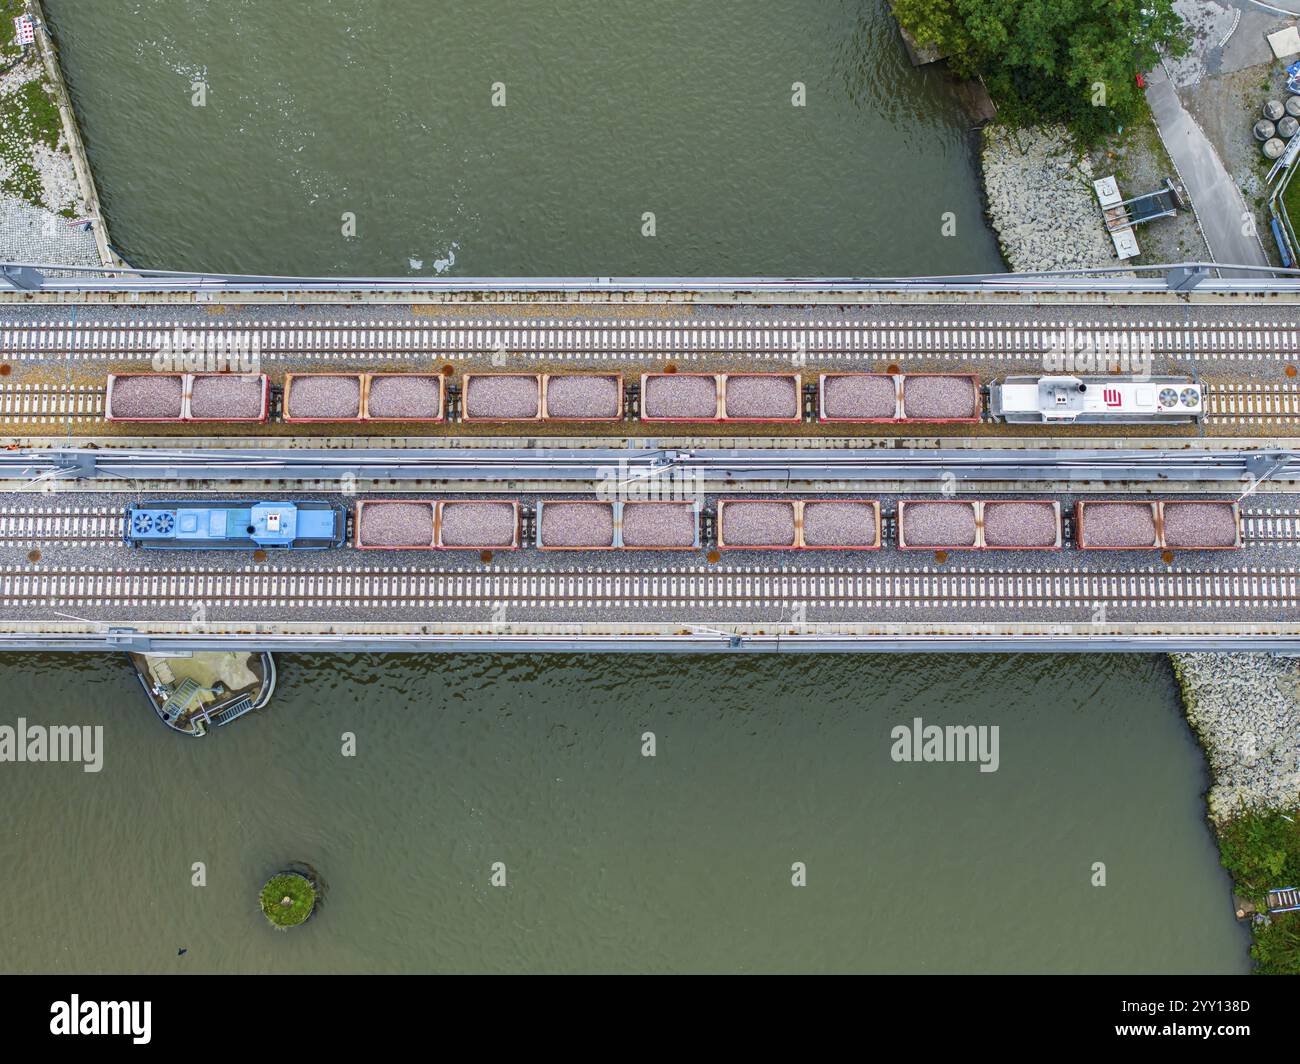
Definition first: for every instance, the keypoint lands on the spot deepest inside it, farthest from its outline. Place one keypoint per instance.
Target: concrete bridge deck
(66, 580)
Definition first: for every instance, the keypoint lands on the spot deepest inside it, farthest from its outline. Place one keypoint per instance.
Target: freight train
(766, 524)
(593, 398)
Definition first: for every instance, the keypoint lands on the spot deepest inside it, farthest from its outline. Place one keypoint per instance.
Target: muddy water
(613, 110)
(615, 861)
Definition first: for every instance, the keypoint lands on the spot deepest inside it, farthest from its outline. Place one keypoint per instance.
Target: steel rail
(614, 465)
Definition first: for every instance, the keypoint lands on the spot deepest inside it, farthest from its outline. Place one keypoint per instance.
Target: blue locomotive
(216, 524)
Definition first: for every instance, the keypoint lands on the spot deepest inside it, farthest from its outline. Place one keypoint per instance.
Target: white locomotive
(1096, 400)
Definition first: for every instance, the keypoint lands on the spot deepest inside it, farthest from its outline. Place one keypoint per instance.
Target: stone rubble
(1246, 710)
(1038, 188)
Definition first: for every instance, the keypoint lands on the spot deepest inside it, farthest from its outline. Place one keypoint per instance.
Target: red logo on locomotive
(1112, 397)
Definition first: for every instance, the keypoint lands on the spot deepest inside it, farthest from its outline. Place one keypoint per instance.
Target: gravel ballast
(226, 396)
(681, 395)
(1020, 524)
(503, 397)
(396, 524)
(860, 396)
(659, 524)
(333, 397)
(411, 395)
(756, 396)
(1119, 524)
(758, 524)
(147, 396)
(934, 397)
(1200, 524)
(577, 524)
(839, 523)
(583, 398)
(478, 524)
(938, 524)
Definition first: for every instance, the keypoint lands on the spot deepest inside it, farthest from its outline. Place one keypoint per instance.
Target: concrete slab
(1285, 43)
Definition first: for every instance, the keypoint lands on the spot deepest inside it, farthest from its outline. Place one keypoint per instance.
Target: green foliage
(1277, 945)
(301, 895)
(1261, 851)
(1071, 61)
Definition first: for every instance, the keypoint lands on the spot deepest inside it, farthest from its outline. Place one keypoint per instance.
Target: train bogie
(221, 525)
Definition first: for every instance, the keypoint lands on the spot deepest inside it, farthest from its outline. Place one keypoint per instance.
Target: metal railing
(55, 278)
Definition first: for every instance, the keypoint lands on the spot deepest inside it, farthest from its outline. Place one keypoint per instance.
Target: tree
(1071, 61)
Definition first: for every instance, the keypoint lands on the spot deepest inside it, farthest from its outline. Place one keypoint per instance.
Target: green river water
(614, 861)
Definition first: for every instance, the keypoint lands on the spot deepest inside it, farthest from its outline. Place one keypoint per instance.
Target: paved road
(1217, 200)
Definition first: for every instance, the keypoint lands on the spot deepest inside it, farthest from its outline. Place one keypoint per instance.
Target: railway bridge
(71, 465)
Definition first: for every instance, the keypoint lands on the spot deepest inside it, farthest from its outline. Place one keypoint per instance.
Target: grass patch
(287, 900)
(28, 116)
(10, 10)
(1262, 851)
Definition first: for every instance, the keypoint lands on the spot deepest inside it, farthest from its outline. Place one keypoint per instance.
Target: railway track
(593, 340)
(35, 404)
(415, 590)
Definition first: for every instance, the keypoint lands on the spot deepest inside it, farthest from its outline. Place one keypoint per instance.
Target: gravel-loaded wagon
(501, 397)
(145, 397)
(1173, 524)
(899, 397)
(998, 524)
(658, 525)
(839, 524)
(576, 524)
(860, 397)
(311, 397)
(681, 397)
(478, 524)
(941, 397)
(1200, 524)
(404, 397)
(395, 524)
(1118, 525)
(946, 525)
(582, 397)
(1020, 524)
(766, 397)
(762, 524)
(229, 397)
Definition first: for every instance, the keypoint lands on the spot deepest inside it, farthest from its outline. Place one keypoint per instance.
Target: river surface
(612, 109)
(615, 861)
